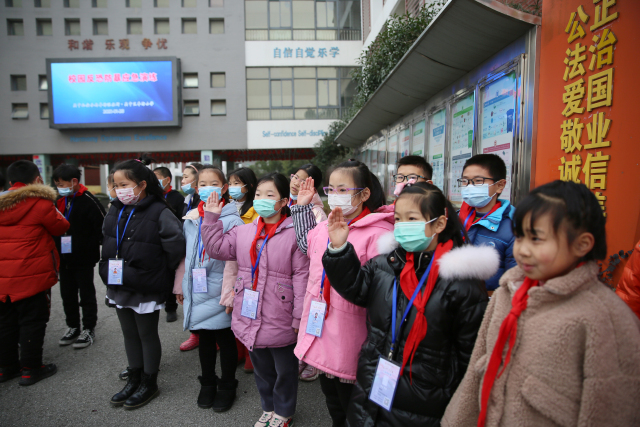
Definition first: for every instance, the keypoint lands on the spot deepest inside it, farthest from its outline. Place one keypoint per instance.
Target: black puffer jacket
(454, 313)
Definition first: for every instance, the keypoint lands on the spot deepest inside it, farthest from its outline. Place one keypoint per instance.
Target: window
(161, 3)
(72, 27)
(19, 111)
(189, 3)
(100, 27)
(218, 107)
(43, 27)
(189, 26)
(42, 3)
(18, 82)
(98, 3)
(191, 108)
(218, 80)
(15, 27)
(216, 3)
(133, 3)
(43, 83)
(161, 25)
(13, 3)
(300, 93)
(134, 26)
(190, 80)
(72, 3)
(216, 26)
(44, 111)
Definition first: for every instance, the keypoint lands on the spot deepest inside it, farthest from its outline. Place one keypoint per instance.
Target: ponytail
(363, 178)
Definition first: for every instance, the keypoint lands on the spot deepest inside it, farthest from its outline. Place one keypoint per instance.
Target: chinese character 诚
(572, 96)
(574, 61)
(334, 51)
(600, 90)
(597, 131)
(73, 44)
(87, 44)
(310, 52)
(109, 44)
(602, 16)
(322, 52)
(124, 44)
(162, 43)
(595, 171)
(571, 133)
(146, 43)
(570, 169)
(288, 52)
(276, 52)
(574, 29)
(299, 52)
(605, 49)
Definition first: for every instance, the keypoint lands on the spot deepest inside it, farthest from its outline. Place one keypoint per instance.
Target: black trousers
(337, 395)
(225, 339)
(24, 322)
(72, 282)
(171, 305)
(141, 339)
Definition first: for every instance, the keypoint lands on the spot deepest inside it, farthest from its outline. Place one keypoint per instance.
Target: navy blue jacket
(496, 230)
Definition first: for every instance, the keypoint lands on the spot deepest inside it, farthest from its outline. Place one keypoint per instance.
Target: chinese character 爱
(602, 13)
(574, 29)
(109, 44)
(276, 52)
(595, 171)
(573, 95)
(146, 43)
(299, 52)
(288, 52)
(605, 49)
(600, 90)
(73, 44)
(322, 52)
(162, 43)
(87, 44)
(334, 51)
(124, 44)
(574, 61)
(571, 133)
(597, 132)
(310, 52)
(569, 169)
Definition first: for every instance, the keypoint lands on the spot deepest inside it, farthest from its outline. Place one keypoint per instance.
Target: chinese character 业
(334, 51)
(322, 52)
(299, 52)
(288, 52)
(109, 44)
(146, 43)
(572, 96)
(276, 52)
(87, 44)
(605, 49)
(569, 169)
(595, 171)
(600, 91)
(574, 29)
(310, 52)
(162, 43)
(597, 131)
(574, 61)
(73, 44)
(571, 133)
(602, 16)
(124, 44)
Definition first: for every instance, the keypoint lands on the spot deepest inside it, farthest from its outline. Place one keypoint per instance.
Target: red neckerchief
(168, 190)
(508, 330)
(254, 249)
(409, 282)
(201, 208)
(326, 292)
(465, 210)
(17, 185)
(60, 203)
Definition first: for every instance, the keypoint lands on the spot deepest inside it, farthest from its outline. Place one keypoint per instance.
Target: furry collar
(564, 285)
(11, 198)
(465, 262)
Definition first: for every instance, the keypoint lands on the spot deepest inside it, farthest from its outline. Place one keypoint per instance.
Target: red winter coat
(28, 256)
(629, 285)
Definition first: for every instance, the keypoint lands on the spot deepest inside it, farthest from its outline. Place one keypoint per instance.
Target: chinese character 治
(574, 61)
(73, 44)
(299, 52)
(571, 133)
(288, 52)
(570, 169)
(600, 91)
(109, 44)
(595, 171)
(574, 29)
(605, 49)
(334, 51)
(597, 132)
(602, 16)
(146, 43)
(310, 52)
(276, 52)
(124, 44)
(87, 44)
(162, 43)
(322, 52)
(572, 96)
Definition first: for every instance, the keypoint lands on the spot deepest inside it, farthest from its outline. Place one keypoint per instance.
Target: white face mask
(343, 201)
(127, 196)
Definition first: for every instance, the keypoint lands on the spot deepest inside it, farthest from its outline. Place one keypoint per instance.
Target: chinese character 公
(574, 29)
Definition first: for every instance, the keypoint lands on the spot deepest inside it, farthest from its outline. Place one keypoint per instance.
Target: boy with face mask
(485, 217)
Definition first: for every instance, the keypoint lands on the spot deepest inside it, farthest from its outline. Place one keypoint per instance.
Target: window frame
(11, 29)
(14, 111)
(225, 107)
(134, 20)
(212, 20)
(96, 24)
(41, 78)
(67, 26)
(192, 101)
(39, 22)
(184, 21)
(15, 84)
(161, 20)
(185, 76)
(46, 105)
(214, 73)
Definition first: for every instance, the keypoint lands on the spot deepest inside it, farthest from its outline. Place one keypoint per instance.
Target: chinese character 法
(597, 131)
(571, 133)
(595, 171)
(574, 61)
(573, 95)
(600, 90)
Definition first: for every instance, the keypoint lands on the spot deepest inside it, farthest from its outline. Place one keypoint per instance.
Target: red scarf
(201, 208)
(17, 185)
(269, 231)
(466, 210)
(167, 190)
(409, 281)
(60, 203)
(326, 291)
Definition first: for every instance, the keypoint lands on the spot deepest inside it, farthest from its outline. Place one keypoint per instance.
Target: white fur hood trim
(386, 243)
(470, 262)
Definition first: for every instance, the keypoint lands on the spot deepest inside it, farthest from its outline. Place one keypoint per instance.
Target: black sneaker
(9, 373)
(172, 316)
(85, 339)
(32, 376)
(70, 336)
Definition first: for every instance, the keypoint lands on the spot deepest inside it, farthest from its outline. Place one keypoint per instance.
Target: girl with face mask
(333, 352)
(242, 189)
(141, 248)
(424, 301)
(269, 292)
(188, 185)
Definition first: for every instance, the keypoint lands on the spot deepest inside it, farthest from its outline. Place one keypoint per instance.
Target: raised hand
(307, 190)
(338, 228)
(214, 203)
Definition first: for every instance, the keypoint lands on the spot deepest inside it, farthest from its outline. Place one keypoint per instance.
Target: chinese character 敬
(571, 133)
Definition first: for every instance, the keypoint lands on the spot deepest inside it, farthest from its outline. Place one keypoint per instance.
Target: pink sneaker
(309, 373)
(192, 343)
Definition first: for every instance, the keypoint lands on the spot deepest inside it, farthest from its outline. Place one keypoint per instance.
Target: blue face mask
(111, 199)
(65, 191)
(188, 189)
(236, 192)
(411, 235)
(265, 207)
(162, 186)
(477, 196)
(205, 192)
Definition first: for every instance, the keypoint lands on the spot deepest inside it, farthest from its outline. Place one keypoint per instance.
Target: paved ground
(78, 395)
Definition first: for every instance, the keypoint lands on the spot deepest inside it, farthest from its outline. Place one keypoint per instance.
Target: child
(485, 217)
(80, 251)
(143, 242)
(174, 199)
(556, 346)
(629, 286)
(111, 189)
(413, 168)
(304, 172)
(189, 184)
(28, 269)
(438, 284)
(269, 292)
(354, 189)
(205, 299)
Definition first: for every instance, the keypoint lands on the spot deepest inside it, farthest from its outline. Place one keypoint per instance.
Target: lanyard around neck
(119, 238)
(69, 207)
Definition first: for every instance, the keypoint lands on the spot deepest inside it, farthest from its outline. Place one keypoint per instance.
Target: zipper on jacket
(53, 258)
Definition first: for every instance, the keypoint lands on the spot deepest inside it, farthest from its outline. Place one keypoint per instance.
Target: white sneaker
(264, 419)
(278, 421)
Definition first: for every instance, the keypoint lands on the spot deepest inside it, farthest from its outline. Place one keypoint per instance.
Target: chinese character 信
(73, 44)
(602, 16)
(87, 44)
(299, 52)
(574, 61)
(162, 43)
(571, 133)
(572, 96)
(600, 90)
(601, 199)
(574, 28)
(276, 52)
(604, 45)
(288, 52)
(595, 171)
(109, 44)
(124, 44)
(570, 169)
(597, 131)
(146, 43)
(322, 52)
(334, 51)
(310, 52)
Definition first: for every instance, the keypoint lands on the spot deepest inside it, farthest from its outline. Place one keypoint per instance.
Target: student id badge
(65, 244)
(385, 383)
(316, 318)
(115, 272)
(250, 304)
(199, 280)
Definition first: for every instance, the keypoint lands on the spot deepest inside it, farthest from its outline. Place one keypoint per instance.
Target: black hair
(363, 178)
(66, 172)
(195, 167)
(23, 171)
(217, 171)
(492, 162)
(282, 185)
(137, 171)
(418, 161)
(314, 172)
(164, 172)
(248, 177)
(2, 181)
(110, 176)
(567, 203)
(433, 204)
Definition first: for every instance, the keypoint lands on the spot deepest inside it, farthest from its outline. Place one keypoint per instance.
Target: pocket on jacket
(284, 292)
(549, 402)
